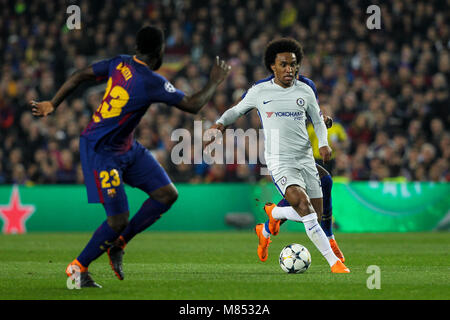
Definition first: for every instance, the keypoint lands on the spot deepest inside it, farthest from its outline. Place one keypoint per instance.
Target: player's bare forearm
(44, 108)
(71, 84)
(194, 103)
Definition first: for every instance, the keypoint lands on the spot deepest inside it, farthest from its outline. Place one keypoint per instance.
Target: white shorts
(304, 175)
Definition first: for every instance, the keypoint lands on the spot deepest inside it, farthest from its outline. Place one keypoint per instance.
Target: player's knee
(166, 195)
(172, 197)
(118, 222)
(169, 197)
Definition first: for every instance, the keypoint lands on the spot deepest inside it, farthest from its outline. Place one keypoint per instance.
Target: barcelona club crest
(112, 192)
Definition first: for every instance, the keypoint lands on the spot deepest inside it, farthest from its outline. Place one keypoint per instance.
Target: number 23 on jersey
(118, 99)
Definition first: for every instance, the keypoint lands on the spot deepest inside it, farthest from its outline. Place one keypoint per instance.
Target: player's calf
(118, 222)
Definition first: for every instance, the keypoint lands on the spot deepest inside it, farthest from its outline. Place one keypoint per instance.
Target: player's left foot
(86, 281)
(336, 250)
(263, 245)
(76, 269)
(274, 224)
(115, 254)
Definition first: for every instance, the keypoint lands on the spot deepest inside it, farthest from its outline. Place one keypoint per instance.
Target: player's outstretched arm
(195, 102)
(216, 130)
(44, 108)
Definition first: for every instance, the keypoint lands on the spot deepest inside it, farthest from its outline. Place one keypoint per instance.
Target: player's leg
(327, 216)
(103, 238)
(282, 211)
(324, 206)
(282, 177)
(104, 183)
(326, 183)
(146, 174)
(301, 203)
(159, 202)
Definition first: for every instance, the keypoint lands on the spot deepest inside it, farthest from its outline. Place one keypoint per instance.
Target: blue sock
(266, 227)
(327, 221)
(147, 215)
(101, 240)
(283, 203)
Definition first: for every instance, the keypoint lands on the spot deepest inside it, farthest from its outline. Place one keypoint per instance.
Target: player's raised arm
(195, 102)
(44, 108)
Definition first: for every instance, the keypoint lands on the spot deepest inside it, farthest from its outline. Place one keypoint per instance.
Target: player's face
(285, 68)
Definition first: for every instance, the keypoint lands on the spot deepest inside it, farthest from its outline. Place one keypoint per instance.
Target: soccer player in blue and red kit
(110, 156)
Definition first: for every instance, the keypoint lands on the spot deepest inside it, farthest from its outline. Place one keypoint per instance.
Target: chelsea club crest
(300, 102)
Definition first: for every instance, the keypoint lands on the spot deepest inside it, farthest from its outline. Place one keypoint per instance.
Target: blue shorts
(106, 173)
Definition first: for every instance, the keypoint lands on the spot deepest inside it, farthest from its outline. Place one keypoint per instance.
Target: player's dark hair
(282, 45)
(149, 40)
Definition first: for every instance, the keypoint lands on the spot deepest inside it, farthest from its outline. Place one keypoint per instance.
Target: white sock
(318, 237)
(265, 233)
(288, 213)
(331, 237)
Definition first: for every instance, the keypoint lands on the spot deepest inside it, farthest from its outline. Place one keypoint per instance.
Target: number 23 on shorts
(110, 178)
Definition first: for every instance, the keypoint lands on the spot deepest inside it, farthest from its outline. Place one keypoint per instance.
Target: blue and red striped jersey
(131, 88)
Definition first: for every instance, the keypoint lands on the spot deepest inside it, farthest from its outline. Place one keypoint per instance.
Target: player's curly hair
(149, 40)
(282, 45)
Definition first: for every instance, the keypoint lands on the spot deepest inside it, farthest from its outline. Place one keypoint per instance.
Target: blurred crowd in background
(387, 90)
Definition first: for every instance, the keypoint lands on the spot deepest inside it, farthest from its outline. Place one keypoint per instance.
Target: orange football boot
(339, 267)
(263, 245)
(336, 250)
(274, 224)
(75, 266)
(85, 280)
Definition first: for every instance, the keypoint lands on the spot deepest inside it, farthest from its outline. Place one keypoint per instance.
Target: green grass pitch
(222, 266)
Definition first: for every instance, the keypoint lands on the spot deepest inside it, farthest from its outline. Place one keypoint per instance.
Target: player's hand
(219, 71)
(215, 133)
(41, 109)
(328, 121)
(325, 153)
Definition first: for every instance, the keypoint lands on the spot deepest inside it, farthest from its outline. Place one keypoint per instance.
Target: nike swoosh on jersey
(264, 102)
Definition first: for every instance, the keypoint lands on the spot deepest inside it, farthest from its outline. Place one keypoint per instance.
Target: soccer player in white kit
(282, 103)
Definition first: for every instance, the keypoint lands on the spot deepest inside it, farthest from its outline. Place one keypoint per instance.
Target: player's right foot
(115, 254)
(274, 224)
(263, 245)
(339, 267)
(336, 250)
(76, 269)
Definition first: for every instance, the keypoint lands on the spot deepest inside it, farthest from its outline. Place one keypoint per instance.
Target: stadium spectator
(388, 88)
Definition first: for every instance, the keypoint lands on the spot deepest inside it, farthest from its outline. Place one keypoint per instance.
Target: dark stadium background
(387, 88)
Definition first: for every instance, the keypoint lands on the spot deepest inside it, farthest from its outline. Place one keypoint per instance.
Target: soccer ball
(295, 258)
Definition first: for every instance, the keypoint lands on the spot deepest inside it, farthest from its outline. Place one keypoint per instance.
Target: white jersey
(283, 115)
